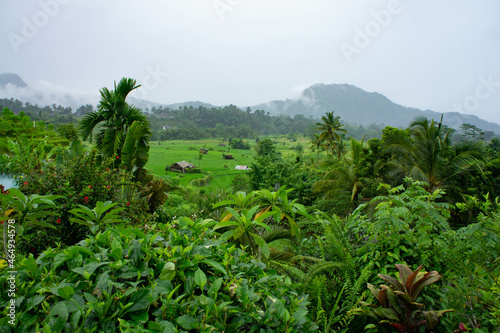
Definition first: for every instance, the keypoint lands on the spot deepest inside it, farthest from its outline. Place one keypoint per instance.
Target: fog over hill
(357, 106)
(11, 78)
(354, 105)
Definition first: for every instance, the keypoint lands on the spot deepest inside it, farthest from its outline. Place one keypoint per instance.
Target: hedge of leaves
(159, 278)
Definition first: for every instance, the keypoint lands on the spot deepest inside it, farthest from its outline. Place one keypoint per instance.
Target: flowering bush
(82, 181)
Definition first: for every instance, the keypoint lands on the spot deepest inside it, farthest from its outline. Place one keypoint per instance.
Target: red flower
(58, 221)
(128, 203)
(90, 186)
(117, 157)
(462, 327)
(25, 183)
(86, 199)
(107, 169)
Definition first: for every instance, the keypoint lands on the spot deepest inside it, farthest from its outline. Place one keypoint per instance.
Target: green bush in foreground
(163, 278)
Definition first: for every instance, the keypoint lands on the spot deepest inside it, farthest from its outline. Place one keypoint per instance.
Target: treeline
(197, 123)
(229, 121)
(55, 114)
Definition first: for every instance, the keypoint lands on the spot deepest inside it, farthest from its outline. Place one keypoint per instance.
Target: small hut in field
(180, 167)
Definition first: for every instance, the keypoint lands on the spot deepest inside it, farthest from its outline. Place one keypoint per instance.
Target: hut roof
(184, 164)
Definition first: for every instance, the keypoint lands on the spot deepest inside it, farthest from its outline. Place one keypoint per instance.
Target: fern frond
(326, 266)
(283, 267)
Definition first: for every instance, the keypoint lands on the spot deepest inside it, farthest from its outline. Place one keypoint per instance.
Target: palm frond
(88, 123)
(278, 234)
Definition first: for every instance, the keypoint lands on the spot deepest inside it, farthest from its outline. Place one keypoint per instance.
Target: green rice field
(222, 172)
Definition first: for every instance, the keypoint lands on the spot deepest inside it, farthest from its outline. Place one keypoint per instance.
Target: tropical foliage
(398, 302)
(101, 245)
(166, 278)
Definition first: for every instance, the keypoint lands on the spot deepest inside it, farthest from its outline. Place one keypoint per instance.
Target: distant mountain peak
(357, 106)
(12, 78)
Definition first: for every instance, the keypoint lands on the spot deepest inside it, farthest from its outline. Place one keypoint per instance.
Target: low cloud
(45, 93)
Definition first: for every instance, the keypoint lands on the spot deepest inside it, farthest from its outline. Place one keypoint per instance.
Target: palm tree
(112, 119)
(330, 128)
(427, 155)
(344, 176)
(316, 143)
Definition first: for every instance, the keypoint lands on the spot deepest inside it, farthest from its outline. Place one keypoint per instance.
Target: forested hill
(357, 106)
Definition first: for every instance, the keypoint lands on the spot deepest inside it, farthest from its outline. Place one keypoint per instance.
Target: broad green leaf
(140, 300)
(60, 259)
(265, 215)
(61, 311)
(262, 211)
(140, 317)
(225, 236)
(82, 222)
(200, 278)
(66, 292)
(187, 322)
(215, 265)
(75, 319)
(262, 244)
(214, 288)
(168, 271)
(263, 225)
(250, 213)
(90, 268)
(235, 214)
(301, 209)
(226, 224)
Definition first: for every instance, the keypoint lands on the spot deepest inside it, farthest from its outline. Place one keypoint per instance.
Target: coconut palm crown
(330, 128)
(427, 154)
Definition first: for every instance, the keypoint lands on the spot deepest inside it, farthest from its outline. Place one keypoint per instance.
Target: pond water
(7, 181)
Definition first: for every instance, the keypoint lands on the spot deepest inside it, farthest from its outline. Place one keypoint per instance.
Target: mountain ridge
(357, 106)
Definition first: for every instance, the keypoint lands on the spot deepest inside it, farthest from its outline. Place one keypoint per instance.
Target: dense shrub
(174, 207)
(166, 278)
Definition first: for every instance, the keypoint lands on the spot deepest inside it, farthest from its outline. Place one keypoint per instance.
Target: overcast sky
(440, 55)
